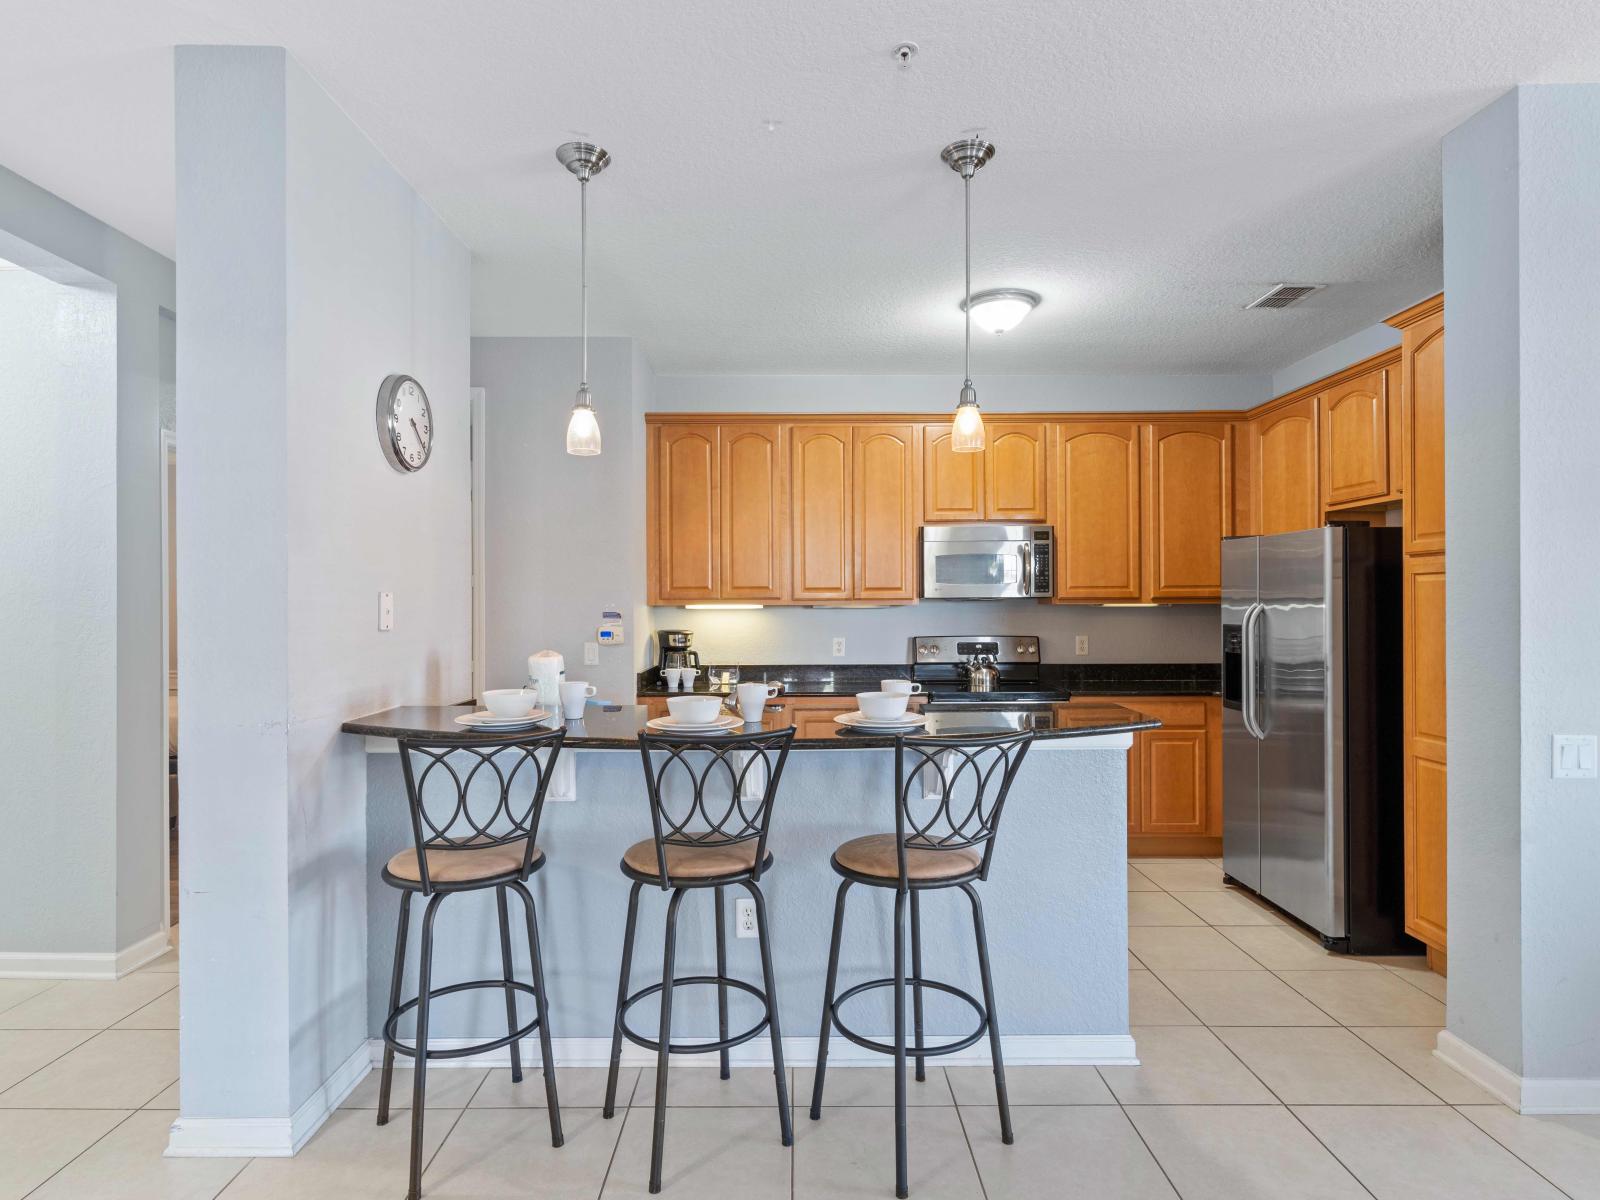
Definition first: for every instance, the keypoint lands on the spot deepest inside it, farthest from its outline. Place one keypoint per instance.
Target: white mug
(573, 698)
(900, 687)
(673, 676)
(752, 698)
(689, 676)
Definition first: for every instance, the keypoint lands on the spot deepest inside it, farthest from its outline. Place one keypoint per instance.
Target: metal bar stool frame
(461, 830)
(705, 823)
(953, 821)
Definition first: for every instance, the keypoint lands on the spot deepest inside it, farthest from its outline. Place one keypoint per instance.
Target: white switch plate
(385, 611)
(838, 647)
(591, 654)
(1572, 756)
(1083, 643)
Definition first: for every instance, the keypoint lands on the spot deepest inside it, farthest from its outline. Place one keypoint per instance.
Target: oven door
(968, 568)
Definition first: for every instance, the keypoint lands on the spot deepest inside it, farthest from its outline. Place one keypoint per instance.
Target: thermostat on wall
(609, 631)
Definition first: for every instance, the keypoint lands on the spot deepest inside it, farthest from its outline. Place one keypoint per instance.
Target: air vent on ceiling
(1284, 295)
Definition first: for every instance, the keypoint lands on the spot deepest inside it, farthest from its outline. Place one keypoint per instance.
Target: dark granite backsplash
(1096, 679)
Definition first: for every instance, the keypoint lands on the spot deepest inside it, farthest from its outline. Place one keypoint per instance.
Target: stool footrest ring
(696, 1047)
(406, 1048)
(888, 1047)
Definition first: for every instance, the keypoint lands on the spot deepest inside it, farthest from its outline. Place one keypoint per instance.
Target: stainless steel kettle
(982, 674)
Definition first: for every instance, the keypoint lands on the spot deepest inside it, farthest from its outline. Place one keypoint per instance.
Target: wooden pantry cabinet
(1007, 481)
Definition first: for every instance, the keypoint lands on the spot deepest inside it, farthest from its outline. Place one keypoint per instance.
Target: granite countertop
(616, 727)
(1099, 679)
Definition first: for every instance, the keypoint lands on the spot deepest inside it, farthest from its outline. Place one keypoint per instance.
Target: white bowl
(694, 710)
(510, 702)
(882, 706)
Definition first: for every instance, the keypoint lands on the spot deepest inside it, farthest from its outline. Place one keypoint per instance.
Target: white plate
(860, 720)
(671, 725)
(484, 719)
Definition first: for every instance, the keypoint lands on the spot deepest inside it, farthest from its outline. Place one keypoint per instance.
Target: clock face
(405, 423)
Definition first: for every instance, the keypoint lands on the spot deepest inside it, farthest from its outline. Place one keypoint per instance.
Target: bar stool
(709, 830)
(473, 829)
(948, 799)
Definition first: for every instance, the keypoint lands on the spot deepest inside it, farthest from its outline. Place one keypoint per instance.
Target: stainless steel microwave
(987, 562)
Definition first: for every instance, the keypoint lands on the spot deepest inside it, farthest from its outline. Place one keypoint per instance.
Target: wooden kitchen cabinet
(1422, 391)
(1355, 440)
(1007, 481)
(1186, 505)
(752, 481)
(822, 520)
(1287, 468)
(1098, 507)
(683, 527)
(884, 534)
(952, 484)
(1175, 777)
(1425, 770)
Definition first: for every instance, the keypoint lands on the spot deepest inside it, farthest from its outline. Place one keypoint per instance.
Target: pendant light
(584, 160)
(965, 157)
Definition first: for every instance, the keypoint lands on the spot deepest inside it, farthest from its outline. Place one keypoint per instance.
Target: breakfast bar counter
(1055, 898)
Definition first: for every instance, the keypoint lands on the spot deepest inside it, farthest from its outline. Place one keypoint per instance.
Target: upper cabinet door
(1422, 370)
(1287, 469)
(821, 518)
(687, 533)
(1355, 440)
(1187, 490)
(1015, 482)
(884, 488)
(952, 484)
(753, 511)
(1097, 511)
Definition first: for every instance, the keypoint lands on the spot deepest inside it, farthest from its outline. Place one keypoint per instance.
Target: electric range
(942, 664)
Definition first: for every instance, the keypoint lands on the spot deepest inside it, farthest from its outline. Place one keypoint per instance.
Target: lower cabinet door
(1172, 782)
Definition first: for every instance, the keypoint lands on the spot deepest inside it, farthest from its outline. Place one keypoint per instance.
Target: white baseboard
(1020, 1050)
(1531, 1096)
(268, 1137)
(111, 965)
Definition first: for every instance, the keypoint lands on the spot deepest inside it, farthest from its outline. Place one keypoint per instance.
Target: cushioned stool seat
(874, 855)
(694, 862)
(466, 865)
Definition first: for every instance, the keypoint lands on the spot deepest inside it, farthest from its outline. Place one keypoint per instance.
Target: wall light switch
(385, 611)
(591, 654)
(1572, 756)
(1083, 643)
(838, 647)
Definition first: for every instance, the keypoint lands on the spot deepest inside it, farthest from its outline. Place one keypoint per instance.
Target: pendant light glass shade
(583, 429)
(584, 160)
(965, 157)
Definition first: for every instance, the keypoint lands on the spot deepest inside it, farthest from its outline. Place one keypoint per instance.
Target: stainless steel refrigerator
(1312, 725)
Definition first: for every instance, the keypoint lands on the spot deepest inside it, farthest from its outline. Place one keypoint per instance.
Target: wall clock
(405, 423)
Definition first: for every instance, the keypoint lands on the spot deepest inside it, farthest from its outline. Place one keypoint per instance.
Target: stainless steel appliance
(986, 668)
(673, 645)
(1311, 762)
(987, 562)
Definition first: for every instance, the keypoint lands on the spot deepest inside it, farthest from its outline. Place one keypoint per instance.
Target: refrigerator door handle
(1258, 616)
(1250, 683)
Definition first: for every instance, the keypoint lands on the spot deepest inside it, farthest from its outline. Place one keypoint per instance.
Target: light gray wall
(563, 536)
(313, 270)
(1179, 633)
(1482, 473)
(1522, 254)
(43, 232)
(1362, 344)
(936, 393)
(58, 603)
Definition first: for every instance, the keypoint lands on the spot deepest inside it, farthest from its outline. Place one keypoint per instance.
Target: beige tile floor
(1268, 1069)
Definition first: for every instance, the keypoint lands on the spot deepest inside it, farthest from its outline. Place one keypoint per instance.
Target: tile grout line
(51, 986)
(93, 1033)
(1455, 1109)
(977, 1170)
(1138, 1133)
(622, 1126)
(90, 1147)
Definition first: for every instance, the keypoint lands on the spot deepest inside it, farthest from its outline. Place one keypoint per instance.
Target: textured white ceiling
(1160, 162)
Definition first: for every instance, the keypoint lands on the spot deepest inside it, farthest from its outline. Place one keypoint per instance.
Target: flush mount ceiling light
(1000, 309)
(965, 157)
(584, 160)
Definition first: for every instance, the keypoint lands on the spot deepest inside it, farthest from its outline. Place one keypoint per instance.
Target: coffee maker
(673, 645)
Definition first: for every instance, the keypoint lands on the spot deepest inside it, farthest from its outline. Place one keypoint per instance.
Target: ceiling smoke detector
(1285, 294)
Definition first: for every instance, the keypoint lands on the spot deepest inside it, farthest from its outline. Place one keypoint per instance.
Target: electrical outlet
(385, 611)
(744, 917)
(591, 654)
(1082, 644)
(838, 647)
